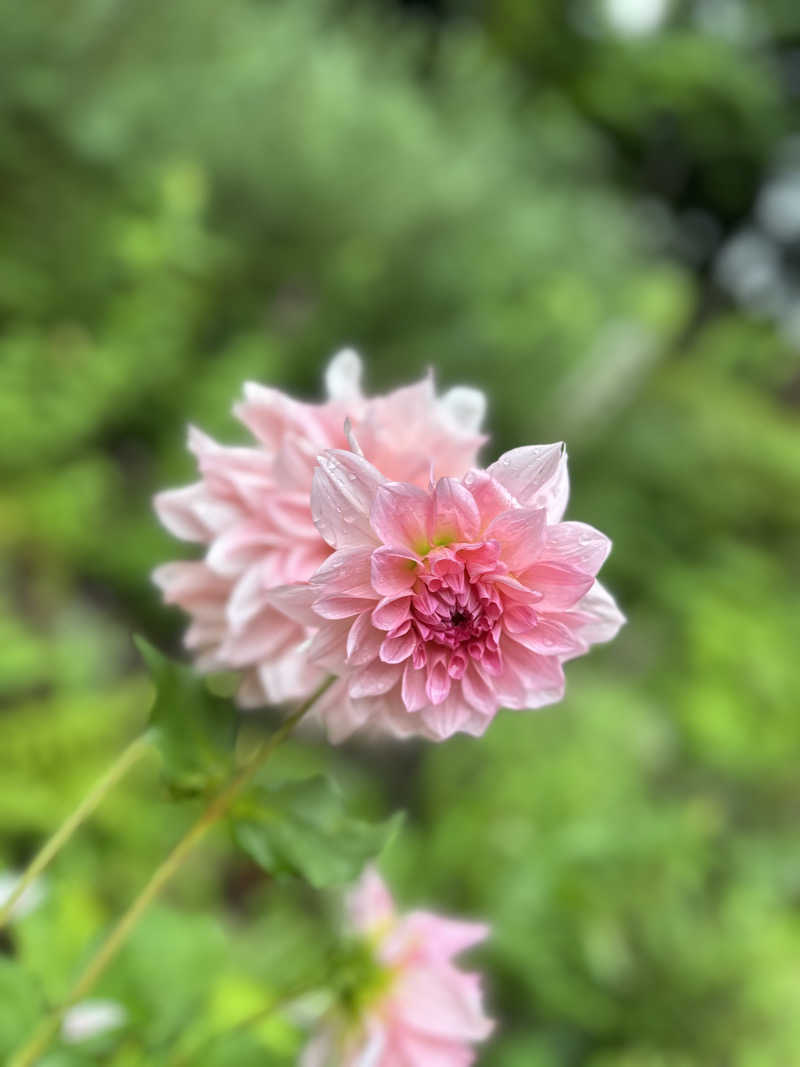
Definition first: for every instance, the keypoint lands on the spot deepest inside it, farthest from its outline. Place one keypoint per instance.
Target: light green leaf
(302, 828)
(193, 727)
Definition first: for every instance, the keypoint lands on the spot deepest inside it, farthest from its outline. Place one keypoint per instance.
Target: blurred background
(591, 209)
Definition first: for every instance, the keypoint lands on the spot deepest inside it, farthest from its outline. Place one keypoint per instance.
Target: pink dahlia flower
(441, 605)
(251, 509)
(423, 1011)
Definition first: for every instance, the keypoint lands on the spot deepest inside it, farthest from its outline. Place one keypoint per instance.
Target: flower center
(455, 611)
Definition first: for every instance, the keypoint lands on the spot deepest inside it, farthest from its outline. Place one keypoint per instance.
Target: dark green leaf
(302, 828)
(193, 727)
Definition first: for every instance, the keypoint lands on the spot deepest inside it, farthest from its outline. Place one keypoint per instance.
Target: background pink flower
(251, 509)
(441, 605)
(426, 1012)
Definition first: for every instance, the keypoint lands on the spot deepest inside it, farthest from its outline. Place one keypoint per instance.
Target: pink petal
(560, 585)
(441, 1002)
(347, 571)
(391, 612)
(478, 692)
(413, 692)
(401, 517)
(340, 606)
(329, 646)
(489, 495)
(191, 584)
(422, 1050)
(463, 409)
(536, 476)
(394, 570)
(239, 548)
(342, 496)
(441, 938)
(177, 510)
(438, 683)
(369, 904)
(521, 534)
(374, 679)
(296, 601)
(549, 638)
(249, 596)
(398, 649)
(540, 677)
(602, 618)
(270, 414)
(343, 377)
(363, 641)
(266, 634)
(578, 544)
(455, 513)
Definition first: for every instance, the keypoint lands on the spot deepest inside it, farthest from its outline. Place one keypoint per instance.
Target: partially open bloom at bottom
(419, 1009)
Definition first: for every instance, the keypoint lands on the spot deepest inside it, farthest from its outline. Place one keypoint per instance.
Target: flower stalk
(87, 806)
(100, 961)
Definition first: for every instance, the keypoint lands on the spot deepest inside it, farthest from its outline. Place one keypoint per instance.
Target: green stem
(53, 846)
(97, 965)
(185, 1058)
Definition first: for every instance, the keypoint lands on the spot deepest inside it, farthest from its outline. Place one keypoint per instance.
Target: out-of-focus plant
(194, 197)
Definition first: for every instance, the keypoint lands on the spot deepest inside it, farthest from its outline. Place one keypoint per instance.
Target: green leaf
(193, 727)
(20, 1005)
(302, 828)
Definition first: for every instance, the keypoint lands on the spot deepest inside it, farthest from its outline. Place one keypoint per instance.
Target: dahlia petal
(249, 596)
(440, 1001)
(463, 409)
(328, 646)
(391, 612)
(455, 513)
(578, 544)
(342, 495)
(270, 415)
(347, 571)
(293, 464)
(422, 1050)
(603, 617)
(343, 376)
(398, 649)
(363, 641)
(238, 548)
(560, 585)
(437, 685)
(369, 904)
(442, 938)
(549, 637)
(541, 677)
(296, 601)
(413, 690)
(536, 476)
(341, 715)
(340, 606)
(401, 516)
(477, 691)
(393, 570)
(177, 510)
(266, 634)
(290, 676)
(489, 495)
(191, 584)
(374, 679)
(521, 535)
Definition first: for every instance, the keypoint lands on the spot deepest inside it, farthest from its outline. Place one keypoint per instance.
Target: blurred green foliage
(532, 199)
